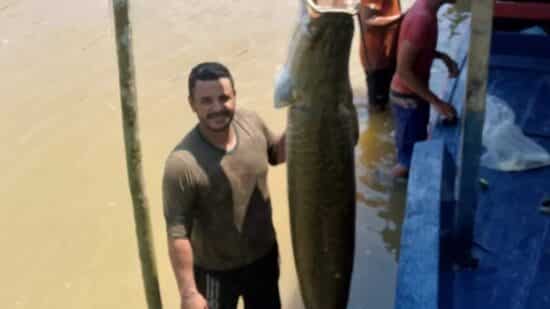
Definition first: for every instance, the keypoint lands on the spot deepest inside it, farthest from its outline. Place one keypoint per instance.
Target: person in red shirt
(377, 47)
(410, 95)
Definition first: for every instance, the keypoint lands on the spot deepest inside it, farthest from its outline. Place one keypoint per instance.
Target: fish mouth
(325, 37)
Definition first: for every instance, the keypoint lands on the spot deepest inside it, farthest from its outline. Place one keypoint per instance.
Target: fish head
(318, 56)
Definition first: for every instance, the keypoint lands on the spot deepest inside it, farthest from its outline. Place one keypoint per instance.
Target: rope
(352, 10)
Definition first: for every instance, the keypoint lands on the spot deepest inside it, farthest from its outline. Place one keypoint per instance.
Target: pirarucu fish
(321, 133)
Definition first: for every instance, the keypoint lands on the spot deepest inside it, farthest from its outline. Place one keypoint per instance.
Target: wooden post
(472, 120)
(128, 99)
(463, 5)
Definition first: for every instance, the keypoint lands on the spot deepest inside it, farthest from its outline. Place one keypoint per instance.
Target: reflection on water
(376, 188)
(380, 212)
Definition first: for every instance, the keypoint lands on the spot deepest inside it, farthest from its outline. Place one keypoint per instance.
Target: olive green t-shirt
(220, 200)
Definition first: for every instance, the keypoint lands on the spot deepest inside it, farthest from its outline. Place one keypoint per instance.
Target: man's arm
(276, 144)
(382, 21)
(179, 200)
(452, 66)
(370, 14)
(181, 257)
(280, 152)
(406, 57)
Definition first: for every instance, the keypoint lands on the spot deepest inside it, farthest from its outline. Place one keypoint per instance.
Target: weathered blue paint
(429, 187)
(537, 119)
(511, 237)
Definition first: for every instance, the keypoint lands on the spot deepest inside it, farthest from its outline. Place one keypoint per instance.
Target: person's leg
(261, 283)
(378, 84)
(386, 76)
(372, 91)
(416, 130)
(219, 288)
(421, 122)
(410, 127)
(400, 116)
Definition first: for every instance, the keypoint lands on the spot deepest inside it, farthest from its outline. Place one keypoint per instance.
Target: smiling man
(221, 238)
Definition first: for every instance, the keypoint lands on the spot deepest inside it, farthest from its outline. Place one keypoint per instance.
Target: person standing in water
(221, 238)
(377, 48)
(410, 95)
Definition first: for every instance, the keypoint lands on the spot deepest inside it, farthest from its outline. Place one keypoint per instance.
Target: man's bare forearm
(422, 90)
(381, 21)
(181, 257)
(452, 66)
(281, 149)
(418, 87)
(441, 55)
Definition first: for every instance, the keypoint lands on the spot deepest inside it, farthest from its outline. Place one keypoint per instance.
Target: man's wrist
(435, 101)
(188, 293)
(443, 56)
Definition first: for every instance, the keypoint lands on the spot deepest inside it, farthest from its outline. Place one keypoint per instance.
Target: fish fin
(284, 89)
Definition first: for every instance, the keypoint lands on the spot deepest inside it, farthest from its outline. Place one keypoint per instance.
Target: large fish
(321, 133)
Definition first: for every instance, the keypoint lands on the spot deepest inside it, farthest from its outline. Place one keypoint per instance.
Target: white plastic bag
(507, 148)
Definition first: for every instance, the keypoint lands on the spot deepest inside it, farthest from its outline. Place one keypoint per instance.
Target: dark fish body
(321, 134)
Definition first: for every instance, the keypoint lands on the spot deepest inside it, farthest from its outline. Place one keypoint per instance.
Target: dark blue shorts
(411, 116)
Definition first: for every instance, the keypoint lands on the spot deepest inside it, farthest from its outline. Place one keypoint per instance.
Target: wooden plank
(472, 118)
(128, 99)
(523, 10)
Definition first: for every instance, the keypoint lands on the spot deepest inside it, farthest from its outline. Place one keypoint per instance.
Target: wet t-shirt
(419, 28)
(220, 200)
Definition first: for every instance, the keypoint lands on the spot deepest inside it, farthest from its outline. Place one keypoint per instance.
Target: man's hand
(382, 21)
(452, 66)
(445, 109)
(194, 301)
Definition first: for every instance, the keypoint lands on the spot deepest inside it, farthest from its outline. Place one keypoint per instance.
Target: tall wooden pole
(473, 116)
(128, 98)
(463, 5)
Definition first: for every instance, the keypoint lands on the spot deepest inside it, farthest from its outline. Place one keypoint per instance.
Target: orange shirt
(380, 41)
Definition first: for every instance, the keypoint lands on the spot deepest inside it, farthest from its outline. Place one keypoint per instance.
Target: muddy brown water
(67, 230)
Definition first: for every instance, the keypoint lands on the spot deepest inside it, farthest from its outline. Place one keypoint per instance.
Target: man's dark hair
(208, 71)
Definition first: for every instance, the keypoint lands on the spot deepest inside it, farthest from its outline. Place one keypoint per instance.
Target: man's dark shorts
(257, 283)
(411, 116)
(378, 84)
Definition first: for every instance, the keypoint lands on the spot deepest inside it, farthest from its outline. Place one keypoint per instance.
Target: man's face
(214, 103)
